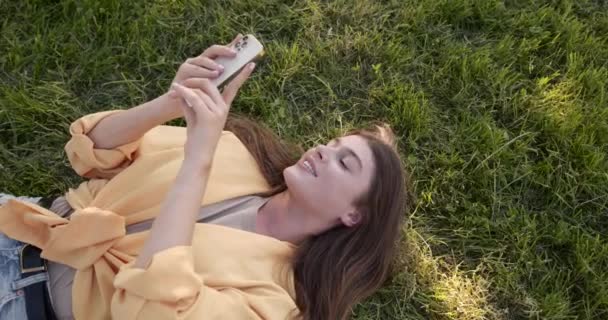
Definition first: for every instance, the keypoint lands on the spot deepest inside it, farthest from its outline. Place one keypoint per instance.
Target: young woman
(281, 233)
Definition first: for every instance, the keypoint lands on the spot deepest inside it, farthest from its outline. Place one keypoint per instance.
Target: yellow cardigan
(226, 273)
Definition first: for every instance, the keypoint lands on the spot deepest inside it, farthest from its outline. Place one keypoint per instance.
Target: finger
(187, 111)
(189, 114)
(235, 40)
(190, 96)
(232, 88)
(193, 82)
(194, 71)
(205, 62)
(212, 91)
(174, 94)
(208, 101)
(217, 50)
(206, 86)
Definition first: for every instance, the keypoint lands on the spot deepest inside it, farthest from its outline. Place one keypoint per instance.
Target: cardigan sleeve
(91, 162)
(171, 289)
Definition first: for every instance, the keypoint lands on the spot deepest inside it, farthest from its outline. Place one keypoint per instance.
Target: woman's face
(329, 178)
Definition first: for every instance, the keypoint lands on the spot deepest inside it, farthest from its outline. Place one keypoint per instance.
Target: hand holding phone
(248, 49)
(220, 64)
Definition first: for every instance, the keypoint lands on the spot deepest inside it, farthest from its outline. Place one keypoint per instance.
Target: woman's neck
(283, 219)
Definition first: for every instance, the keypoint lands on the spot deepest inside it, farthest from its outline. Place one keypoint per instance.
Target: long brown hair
(342, 266)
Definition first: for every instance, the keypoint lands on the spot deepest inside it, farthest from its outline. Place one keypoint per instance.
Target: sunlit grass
(499, 106)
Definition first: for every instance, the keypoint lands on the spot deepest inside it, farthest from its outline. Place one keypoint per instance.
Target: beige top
(239, 213)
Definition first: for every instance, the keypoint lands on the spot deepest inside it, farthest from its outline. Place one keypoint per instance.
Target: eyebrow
(351, 152)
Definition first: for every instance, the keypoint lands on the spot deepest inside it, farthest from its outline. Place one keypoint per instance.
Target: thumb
(232, 88)
(187, 111)
(189, 115)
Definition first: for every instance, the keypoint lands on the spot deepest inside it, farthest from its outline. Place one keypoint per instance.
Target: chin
(295, 183)
(290, 174)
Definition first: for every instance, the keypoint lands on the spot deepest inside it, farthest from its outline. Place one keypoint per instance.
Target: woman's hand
(203, 66)
(206, 111)
(200, 67)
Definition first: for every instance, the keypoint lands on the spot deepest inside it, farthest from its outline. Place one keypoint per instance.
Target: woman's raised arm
(125, 127)
(206, 117)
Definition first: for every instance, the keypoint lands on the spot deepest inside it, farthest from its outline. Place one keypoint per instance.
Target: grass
(500, 107)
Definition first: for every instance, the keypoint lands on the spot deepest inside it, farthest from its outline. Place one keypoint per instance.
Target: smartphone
(248, 49)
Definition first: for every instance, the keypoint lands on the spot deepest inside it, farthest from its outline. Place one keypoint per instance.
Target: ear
(351, 219)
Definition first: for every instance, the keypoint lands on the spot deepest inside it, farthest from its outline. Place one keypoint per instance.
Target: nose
(323, 152)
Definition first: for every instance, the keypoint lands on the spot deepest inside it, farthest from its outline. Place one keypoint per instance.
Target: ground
(499, 106)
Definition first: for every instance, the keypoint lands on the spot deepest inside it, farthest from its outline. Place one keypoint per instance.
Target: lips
(310, 161)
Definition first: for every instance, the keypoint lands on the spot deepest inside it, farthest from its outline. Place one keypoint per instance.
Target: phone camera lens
(245, 38)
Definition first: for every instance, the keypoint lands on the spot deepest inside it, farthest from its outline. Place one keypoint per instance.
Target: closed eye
(349, 152)
(343, 164)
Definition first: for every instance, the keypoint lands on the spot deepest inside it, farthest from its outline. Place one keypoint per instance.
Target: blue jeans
(12, 299)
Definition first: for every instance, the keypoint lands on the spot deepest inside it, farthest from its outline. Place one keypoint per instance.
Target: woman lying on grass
(280, 234)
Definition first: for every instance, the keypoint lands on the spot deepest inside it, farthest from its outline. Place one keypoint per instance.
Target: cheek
(333, 190)
(327, 192)
(342, 187)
